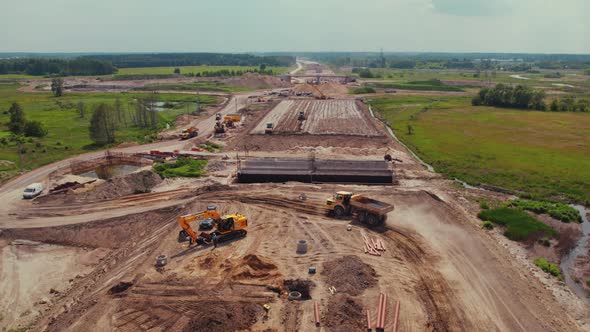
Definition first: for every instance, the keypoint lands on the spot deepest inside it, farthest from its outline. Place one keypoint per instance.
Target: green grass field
(544, 154)
(519, 224)
(194, 86)
(192, 69)
(68, 132)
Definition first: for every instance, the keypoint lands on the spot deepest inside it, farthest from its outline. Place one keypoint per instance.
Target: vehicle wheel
(363, 217)
(339, 212)
(183, 236)
(372, 220)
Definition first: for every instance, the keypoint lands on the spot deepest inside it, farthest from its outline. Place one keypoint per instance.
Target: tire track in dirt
(438, 300)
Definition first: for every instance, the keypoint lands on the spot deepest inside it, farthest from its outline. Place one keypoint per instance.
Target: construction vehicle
(227, 227)
(301, 116)
(269, 129)
(217, 116)
(230, 120)
(189, 133)
(368, 211)
(219, 127)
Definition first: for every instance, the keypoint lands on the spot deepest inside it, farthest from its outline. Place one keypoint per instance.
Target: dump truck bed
(371, 205)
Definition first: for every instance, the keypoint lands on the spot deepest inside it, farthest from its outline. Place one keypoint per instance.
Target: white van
(33, 190)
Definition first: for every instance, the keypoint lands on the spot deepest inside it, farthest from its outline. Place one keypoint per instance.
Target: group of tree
(107, 119)
(507, 96)
(56, 67)
(19, 125)
(570, 104)
(57, 86)
(193, 59)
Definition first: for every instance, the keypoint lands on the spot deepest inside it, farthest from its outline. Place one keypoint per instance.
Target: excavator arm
(184, 222)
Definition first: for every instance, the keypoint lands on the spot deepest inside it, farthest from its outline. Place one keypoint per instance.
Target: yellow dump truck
(368, 211)
(189, 133)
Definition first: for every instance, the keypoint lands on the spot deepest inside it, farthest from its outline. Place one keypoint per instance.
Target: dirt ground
(447, 272)
(34, 272)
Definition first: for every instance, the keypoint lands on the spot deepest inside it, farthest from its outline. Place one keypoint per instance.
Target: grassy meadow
(544, 154)
(68, 132)
(193, 69)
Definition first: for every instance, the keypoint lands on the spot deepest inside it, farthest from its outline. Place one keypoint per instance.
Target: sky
(511, 26)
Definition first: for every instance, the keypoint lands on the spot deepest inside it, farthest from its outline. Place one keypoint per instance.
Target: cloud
(472, 7)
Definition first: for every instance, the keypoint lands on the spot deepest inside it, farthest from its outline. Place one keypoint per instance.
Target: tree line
(503, 95)
(56, 67)
(226, 72)
(192, 59)
(570, 104)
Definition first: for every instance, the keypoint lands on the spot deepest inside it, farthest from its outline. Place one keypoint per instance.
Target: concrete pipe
(301, 247)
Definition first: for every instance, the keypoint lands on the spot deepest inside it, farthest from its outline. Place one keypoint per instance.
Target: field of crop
(544, 154)
(192, 69)
(68, 132)
(332, 117)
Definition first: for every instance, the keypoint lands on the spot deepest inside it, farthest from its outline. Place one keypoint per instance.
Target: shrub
(519, 224)
(35, 129)
(559, 211)
(545, 242)
(548, 267)
(488, 225)
(484, 205)
(183, 167)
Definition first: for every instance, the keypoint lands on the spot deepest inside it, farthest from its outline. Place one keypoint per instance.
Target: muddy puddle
(106, 172)
(579, 250)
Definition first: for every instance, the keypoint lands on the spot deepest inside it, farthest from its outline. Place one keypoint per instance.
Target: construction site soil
(447, 272)
(293, 137)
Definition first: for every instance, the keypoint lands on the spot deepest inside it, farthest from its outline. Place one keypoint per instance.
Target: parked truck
(368, 211)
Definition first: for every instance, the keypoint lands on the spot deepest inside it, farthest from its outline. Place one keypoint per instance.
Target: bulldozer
(226, 227)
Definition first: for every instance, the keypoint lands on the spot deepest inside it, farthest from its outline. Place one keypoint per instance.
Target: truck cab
(269, 128)
(340, 203)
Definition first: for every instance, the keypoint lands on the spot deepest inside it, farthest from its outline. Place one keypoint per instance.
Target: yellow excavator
(227, 227)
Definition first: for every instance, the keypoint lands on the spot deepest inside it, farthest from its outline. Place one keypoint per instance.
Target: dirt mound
(224, 316)
(350, 275)
(255, 267)
(129, 184)
(344, 314)
(328, 89)
(255, 80)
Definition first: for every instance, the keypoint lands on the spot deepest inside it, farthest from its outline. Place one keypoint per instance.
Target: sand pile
(344, 314)
(255, 267)
(349, 274)
(129, 184)
(219, 316)
(328, 89)
(255, 80)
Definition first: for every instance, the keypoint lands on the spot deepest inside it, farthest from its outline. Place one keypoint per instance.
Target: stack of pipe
(372, 246)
